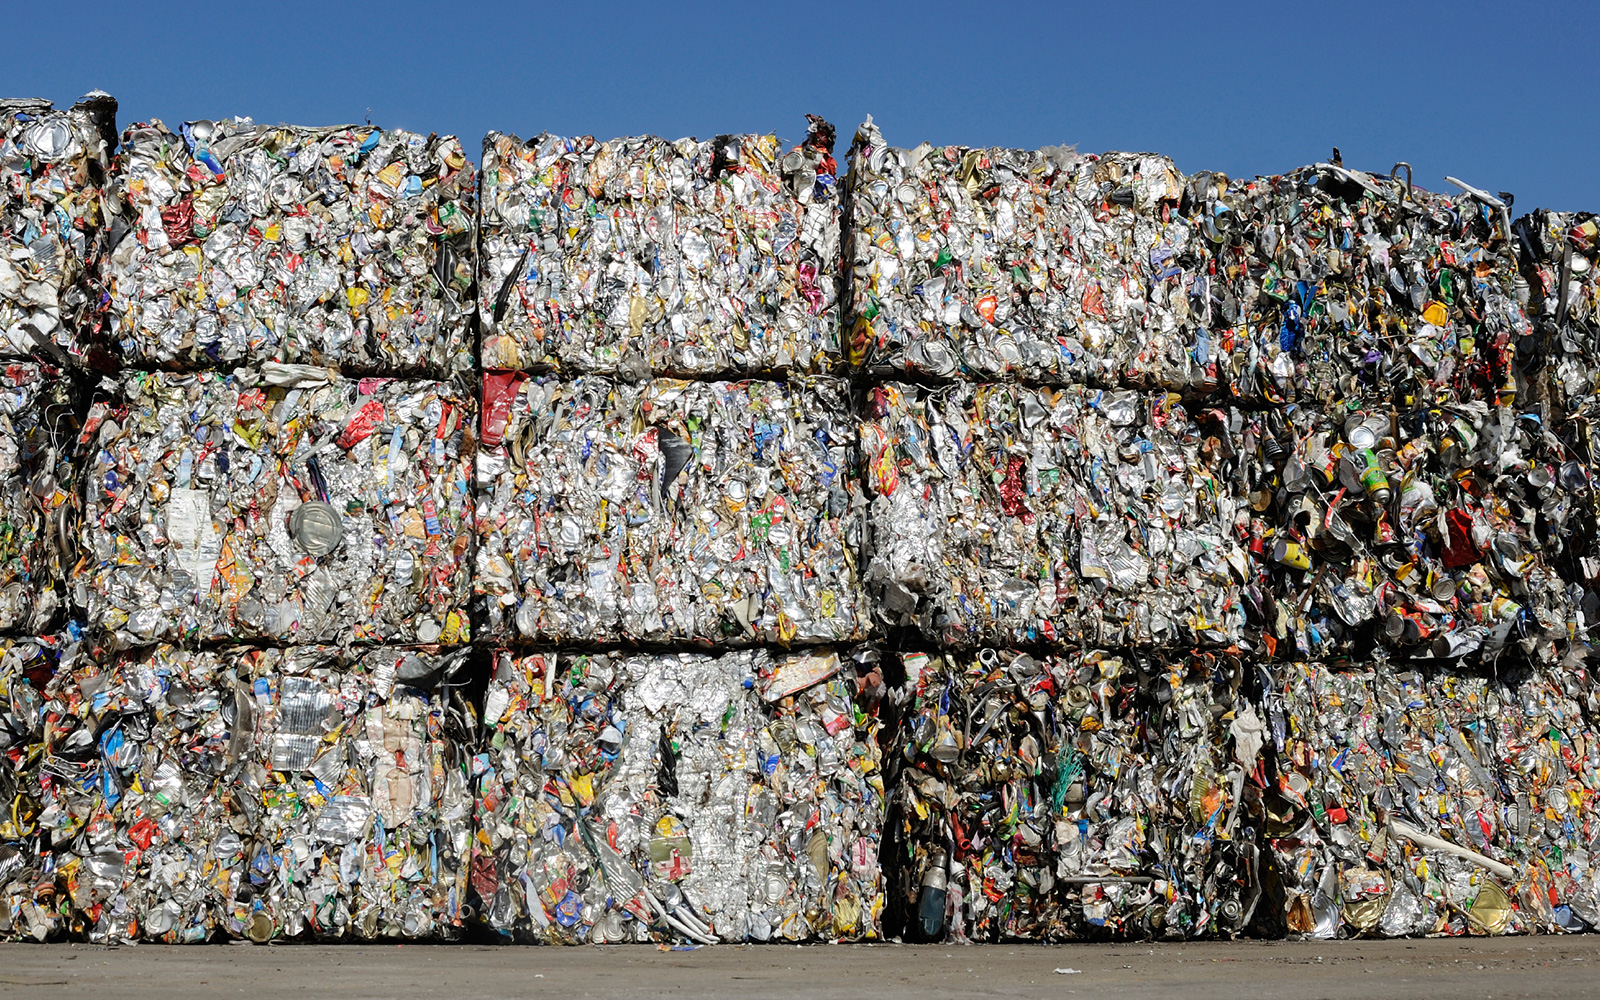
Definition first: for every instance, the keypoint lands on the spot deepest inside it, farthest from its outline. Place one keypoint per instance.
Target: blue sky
(1504, 96)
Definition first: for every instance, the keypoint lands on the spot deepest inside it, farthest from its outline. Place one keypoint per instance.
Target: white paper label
(195, 542)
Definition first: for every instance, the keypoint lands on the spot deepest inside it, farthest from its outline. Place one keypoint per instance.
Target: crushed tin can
(40, 498)
(1337, 287)
(1449, 535)
(1076, 797)
(1558, 253)
(31, 908)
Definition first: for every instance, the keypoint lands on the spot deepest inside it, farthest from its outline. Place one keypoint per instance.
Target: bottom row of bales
(1107, 796)
(330, 793)
(829, 794)
(167, 795)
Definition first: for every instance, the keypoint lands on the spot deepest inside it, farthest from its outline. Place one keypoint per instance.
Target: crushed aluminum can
(641, 255)
(133, 790)
(351, 247)
(284, 504)
(1282, 483)
(360, 758)
(1442, 802)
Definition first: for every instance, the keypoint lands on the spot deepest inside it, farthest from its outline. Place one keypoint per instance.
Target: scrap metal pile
(693, 542)
(1231, 467)
(350, 246)
(635, 255)
(682, 511)
(283, 503)
(710, 797)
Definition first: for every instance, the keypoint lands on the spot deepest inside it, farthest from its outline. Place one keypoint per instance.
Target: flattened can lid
(1359, 433)
(1443, 588)
(316, 527)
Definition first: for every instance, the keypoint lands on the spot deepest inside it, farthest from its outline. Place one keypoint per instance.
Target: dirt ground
(1544, 967)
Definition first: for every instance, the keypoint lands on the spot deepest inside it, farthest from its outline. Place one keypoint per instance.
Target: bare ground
(1544, 967)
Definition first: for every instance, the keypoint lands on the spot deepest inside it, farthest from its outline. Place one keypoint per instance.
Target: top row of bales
(225, 243)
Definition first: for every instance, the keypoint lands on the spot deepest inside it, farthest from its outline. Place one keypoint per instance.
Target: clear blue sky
(1503, 97)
